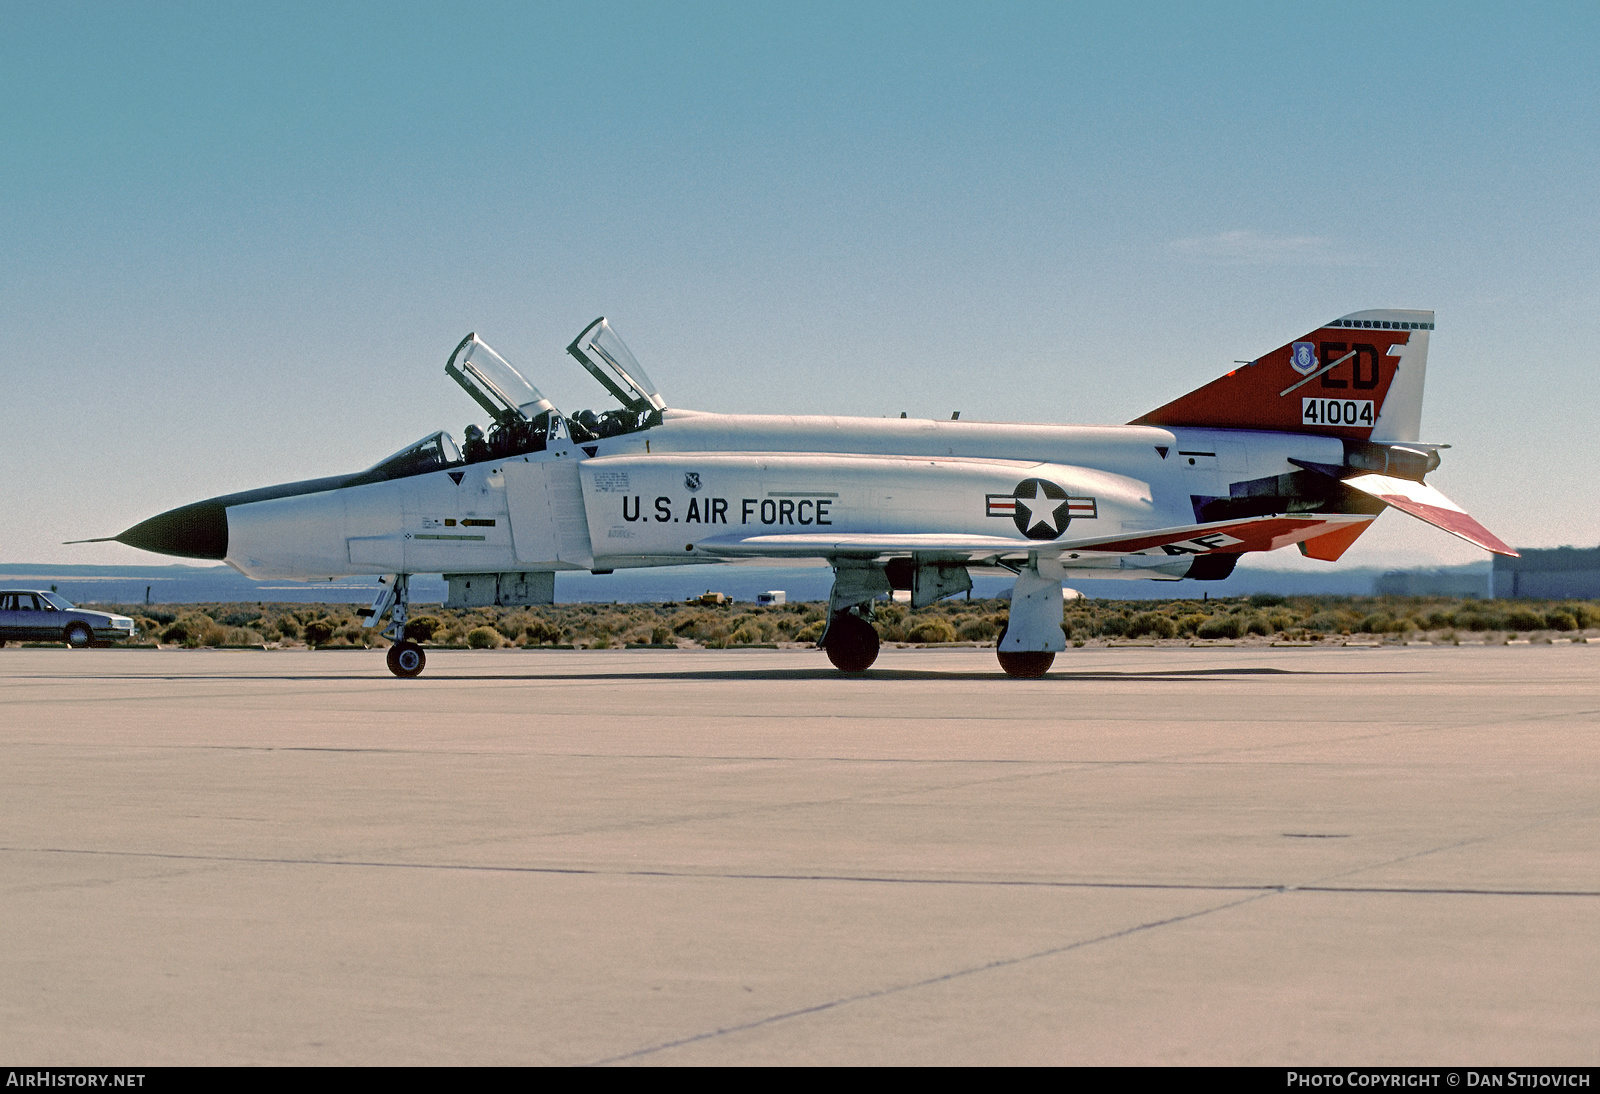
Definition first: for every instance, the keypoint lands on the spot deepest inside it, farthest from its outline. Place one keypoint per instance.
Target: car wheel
(78, 636)
(852, 643)
(406, 659)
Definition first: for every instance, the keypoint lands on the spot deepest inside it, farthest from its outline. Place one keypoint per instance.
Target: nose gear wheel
(406, 659)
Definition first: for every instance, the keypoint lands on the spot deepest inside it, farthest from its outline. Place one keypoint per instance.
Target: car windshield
(60, 602)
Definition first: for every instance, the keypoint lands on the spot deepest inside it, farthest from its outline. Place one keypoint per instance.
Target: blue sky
(236, 247)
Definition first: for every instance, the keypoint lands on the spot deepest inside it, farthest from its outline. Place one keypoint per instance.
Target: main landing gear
(1033, 634)
(1025, 664)
(405, 658)
(851, 643)
(1027, 648)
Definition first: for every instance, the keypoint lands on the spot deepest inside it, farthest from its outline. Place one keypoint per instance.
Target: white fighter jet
(1303, 446)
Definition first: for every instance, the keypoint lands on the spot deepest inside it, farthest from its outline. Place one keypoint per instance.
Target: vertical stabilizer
(1401, 417)
(1359, 376)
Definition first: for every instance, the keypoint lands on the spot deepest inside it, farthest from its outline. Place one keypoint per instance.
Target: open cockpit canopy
(610, 361)
(493, 383)
(525, 421)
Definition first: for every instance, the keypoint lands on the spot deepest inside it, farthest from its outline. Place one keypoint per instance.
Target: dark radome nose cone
(190, 531)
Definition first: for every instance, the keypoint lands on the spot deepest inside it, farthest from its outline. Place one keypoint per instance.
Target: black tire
(78, 636)
(406, 659)
(1025, 664)
(852, 643)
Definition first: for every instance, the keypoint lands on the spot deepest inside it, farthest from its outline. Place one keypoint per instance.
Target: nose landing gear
(405, 658)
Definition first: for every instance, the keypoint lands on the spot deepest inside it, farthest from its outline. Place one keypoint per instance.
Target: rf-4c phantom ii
(1305, 445)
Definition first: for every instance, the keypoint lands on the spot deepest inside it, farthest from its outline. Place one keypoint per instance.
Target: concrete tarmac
(1179, 856)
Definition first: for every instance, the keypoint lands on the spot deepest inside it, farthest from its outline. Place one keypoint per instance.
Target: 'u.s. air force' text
(716, 510)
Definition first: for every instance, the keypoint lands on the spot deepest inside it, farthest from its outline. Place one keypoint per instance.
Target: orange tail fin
(1360, 377)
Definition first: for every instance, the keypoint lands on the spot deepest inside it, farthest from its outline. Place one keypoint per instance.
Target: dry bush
(1560, 620)
(1221, 626)
(1111, 626)
(1155, 624)
(541, 632)
(1524, 619)
(930, 629)
(976, 628)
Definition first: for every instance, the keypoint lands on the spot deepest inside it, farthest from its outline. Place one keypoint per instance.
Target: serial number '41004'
(1336, 412)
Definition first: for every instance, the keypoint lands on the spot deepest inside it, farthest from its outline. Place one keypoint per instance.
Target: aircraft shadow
(909, 674)
(775, 675)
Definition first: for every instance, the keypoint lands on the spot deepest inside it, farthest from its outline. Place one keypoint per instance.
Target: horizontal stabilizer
(1331, 546)
(1425, 503)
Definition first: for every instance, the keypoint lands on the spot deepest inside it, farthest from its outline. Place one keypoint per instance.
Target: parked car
(28, 615)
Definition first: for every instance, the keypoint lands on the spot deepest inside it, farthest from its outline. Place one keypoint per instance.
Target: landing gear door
(605, 355)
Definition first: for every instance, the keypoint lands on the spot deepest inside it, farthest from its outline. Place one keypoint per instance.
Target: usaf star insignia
(1040, 509)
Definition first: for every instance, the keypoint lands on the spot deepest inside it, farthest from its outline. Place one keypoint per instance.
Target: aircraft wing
(812, 544)
(1425, 503)
(1222, 537)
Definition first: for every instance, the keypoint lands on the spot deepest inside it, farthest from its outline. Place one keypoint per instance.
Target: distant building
(1432, 583)
(1554, 574)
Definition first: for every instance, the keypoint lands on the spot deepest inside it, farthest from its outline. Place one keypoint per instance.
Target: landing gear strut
(850, 641)
(405, 658)
(1033, 635)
